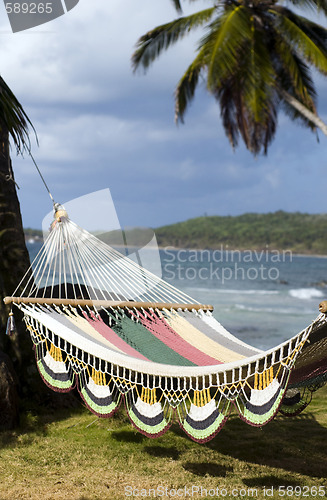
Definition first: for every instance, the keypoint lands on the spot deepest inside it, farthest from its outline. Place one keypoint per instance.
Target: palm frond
(294, 74)
(224, 42)
(311, 28)
(259, 74)
(14, 119)
(316, 6)
(254, 56)
(239, 120)
(248, 98)
(186, 86)
(308, 38)
(150, 45)
(177, 5)
(230, 106)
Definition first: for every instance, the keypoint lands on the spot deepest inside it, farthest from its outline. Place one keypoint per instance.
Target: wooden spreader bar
(105, 303)
(323, 306)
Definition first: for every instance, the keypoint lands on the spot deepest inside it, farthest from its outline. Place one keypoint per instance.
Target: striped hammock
(104, 324)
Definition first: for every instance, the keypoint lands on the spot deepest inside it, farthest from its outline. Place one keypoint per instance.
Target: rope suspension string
(74, 265)
(71, 256)
(42, 178)
(101, 321)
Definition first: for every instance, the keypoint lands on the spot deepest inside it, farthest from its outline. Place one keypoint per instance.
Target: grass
(73, 455)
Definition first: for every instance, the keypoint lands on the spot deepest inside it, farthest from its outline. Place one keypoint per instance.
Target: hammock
(102, 323)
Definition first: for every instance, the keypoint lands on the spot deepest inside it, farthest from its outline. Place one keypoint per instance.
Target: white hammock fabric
(102, 323)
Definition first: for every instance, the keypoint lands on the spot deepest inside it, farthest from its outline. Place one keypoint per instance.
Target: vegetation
(73, 455)
(298, 232)
(33, 233)
(256, 58)
(301, 233)
(14, 258)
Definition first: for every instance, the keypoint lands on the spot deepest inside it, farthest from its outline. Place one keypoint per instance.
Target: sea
(263, 297)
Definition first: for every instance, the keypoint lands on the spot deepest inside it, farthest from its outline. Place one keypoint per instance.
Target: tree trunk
(304, 111)
(8, 394)
(14, 261)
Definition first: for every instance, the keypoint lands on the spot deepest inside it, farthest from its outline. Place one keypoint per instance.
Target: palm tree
(14, 258)
(14, 123)
(256, 57)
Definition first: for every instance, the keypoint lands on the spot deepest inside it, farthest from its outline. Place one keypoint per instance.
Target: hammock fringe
(104, 324)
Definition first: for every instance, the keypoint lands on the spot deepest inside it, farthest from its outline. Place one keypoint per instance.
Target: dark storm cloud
(99, 125)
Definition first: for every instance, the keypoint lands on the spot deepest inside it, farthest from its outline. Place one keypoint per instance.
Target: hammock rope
(104, 324)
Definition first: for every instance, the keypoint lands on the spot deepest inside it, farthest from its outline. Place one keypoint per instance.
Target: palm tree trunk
(14, 258)
(17, 359)
(14, 261)
(304, 111)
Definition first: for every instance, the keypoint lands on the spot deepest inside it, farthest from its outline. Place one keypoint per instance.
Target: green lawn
(74, 455)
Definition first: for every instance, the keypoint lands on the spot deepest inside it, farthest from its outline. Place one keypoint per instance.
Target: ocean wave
(251, 292)
(305, 293)
(274, 310)
(238, 292)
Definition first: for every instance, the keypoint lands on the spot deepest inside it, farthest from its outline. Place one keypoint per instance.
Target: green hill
(30, 233)
(299, 232)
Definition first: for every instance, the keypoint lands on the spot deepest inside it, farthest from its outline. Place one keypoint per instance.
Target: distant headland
(301, 233)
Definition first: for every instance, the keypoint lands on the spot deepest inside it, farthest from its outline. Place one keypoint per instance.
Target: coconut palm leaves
(161, 38)
(13, 118)
(256, 58)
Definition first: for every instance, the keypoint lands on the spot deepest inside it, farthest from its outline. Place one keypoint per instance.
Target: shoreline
(222, 249)
(257, 250)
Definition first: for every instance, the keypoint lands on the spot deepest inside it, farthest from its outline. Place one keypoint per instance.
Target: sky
(100, 126)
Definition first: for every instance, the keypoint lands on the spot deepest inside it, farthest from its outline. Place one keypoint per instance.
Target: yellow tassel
(201, 398)
(153, 398)
(55, 353)
(98, 378)
(264, 380)
(149, 396)
(196, 398)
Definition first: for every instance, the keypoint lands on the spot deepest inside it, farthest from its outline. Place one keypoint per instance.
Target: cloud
(99, 125)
